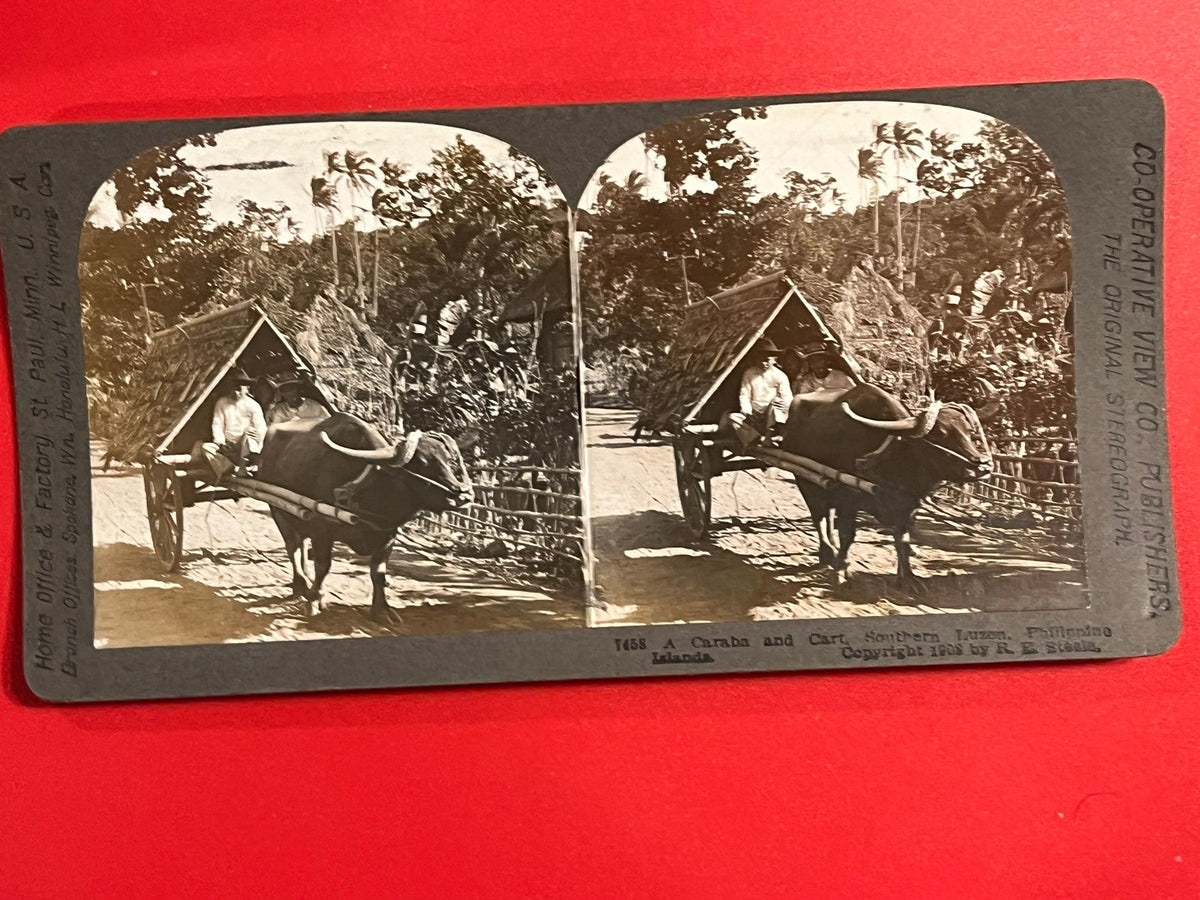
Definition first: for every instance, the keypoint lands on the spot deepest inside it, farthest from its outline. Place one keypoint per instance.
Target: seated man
(823, 377)
(291, 402)
(238, 428)
(764, 397)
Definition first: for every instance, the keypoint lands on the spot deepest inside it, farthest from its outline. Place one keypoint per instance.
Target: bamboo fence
(535, 510)
(1036, 473)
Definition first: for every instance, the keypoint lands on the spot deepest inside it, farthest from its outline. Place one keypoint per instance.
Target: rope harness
(925, 424)
(347, 491)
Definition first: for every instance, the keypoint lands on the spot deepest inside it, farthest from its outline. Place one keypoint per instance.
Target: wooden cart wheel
(164, 510)
(693, 475)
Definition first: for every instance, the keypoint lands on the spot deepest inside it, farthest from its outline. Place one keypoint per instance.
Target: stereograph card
(461, 396)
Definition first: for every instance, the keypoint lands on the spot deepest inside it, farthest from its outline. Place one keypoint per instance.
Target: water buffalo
(346, 462)
(868, 432)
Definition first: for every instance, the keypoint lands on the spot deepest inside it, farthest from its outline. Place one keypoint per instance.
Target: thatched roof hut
(353, 360)
(548, 296)
(702, 372)
(886, 333)
(173, 395)
(545, 304)
(880, 334)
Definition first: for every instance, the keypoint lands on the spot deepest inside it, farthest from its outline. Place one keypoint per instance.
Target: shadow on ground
(244, 595)
(650, 570)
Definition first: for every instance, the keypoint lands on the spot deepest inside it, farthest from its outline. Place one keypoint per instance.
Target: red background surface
(1045, 780)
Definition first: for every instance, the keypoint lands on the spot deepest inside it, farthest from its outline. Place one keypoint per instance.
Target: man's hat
(764, 347)
(822, 346)
(288, 380)
(237, 375)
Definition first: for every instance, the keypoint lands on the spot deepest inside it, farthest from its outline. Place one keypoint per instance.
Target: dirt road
(759, 560)
(234, 582)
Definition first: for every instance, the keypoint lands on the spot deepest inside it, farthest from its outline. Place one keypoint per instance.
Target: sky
(301, 146)
(812, 138)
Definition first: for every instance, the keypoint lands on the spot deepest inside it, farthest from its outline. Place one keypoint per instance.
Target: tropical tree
(921, 183)
(476, 231)
(629, 289)
(324, 197)
(709, 216)
(904, 141)
(359, 173)
(157, 267)
(161, 183)
(870, 171)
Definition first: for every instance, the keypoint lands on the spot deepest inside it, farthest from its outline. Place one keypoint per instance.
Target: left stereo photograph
(300, 337)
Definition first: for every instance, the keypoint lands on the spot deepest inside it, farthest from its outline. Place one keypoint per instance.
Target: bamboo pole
(1030, 481)
(779, 456)
(1028, 439)
(521, 538)
(524, 469)
(295, 509)
(262, 490)
(802, 472)
(513, 489)
(526, 514)
(1008, 457)
(1024, 499)
(1021, 502)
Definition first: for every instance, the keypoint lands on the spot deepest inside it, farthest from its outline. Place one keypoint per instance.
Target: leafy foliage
(452, 242)
(989, 221)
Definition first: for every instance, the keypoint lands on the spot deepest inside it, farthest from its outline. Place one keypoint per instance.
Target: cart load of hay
(864, 319)
(168, 406)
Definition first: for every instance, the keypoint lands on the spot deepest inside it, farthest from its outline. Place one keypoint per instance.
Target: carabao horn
(927, 419)
(383, 454)
(906, 424)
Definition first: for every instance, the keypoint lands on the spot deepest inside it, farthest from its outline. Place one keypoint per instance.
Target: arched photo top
(396, 220)
(766, 147)
(761, 284)
(924, 216)
(270, 166)
(365, 242)
(729, 184)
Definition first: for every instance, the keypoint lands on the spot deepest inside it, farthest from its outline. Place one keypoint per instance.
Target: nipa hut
(175, 392)
(702, 374)
(354, 363)
(545, 305)
(886, 333)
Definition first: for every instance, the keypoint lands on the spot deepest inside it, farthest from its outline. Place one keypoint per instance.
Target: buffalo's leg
(828, 553)
(322, 556)
(380, 610)
(902, 537)
(822, 517)
(847, 528)
(293, 542)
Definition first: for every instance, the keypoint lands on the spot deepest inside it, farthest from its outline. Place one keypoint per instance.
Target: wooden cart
(701, 454)
(703, 376)
(184, 368)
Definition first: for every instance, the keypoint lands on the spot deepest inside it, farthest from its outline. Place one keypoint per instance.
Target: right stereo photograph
(828, 368)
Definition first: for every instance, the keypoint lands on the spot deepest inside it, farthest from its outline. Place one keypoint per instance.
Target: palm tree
(925, 169)
(358, 172)
(904, 140)
(389, 205)
(324, 196)
(870, 170)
